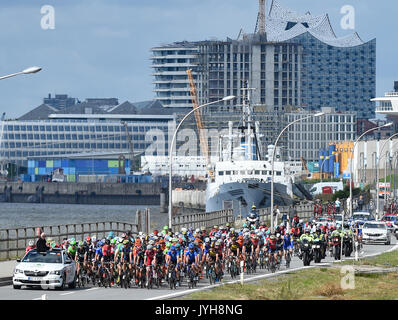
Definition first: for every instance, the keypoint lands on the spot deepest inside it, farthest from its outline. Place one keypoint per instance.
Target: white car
(51, 269)
(373, 231)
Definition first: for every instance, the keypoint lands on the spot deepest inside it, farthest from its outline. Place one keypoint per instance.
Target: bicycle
(172, 276)
(191, 277)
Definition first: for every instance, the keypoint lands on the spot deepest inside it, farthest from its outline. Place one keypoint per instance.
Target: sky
(101, 48)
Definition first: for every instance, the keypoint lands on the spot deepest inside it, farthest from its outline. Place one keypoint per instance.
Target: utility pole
(131, 146)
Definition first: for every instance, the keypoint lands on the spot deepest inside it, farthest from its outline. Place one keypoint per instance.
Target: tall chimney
(261, 16)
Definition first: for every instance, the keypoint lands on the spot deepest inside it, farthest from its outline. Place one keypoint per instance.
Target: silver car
(373, 231)
(51, 269)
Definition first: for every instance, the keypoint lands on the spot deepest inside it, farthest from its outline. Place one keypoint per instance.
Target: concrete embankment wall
(82, 193)
(189, 198)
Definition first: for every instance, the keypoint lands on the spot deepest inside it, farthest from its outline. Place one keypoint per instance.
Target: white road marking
(91, 289)
(66, 293)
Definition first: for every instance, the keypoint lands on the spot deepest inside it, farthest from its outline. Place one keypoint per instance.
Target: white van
(317, 188)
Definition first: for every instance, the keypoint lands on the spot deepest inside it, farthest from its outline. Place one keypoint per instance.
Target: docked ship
(242, 176)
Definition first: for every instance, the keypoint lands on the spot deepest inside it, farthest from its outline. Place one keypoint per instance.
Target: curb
(6, 281)
(264, 276)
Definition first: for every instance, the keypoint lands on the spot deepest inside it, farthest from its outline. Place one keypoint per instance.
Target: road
(95, 293)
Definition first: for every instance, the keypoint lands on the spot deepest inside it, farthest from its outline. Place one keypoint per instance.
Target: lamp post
(326, 158)
(172, 146)
(352, 154)
(26, 71)
(377, 172)
(273, 160)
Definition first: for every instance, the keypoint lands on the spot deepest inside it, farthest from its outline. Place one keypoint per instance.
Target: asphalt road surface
(116, 293)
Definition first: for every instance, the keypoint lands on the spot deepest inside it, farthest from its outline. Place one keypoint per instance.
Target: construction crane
(260, 24)
(204, 147)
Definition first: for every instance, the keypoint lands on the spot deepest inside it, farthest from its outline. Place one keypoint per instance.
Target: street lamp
(172, 146)
(26, 71)
(273, 160)
(378, 170)
(352, 154)
(326, 158)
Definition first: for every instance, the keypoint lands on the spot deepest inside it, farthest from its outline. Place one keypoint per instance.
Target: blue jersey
(99, 251)
(191, 256)
(287, 242)
(173, 255)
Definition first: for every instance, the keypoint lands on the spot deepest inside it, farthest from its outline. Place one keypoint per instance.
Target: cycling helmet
(100, 243)
(149, 247)
(107, 241)
(125, 242)
(227, 225)
(244, 225)
(173, 247)
(168, 245)
(113, 241)
(207, 239)
(184, 230)
(166, 228)
(88, 238)
(111, 234)
(272, 237)
(72, 242)
(191, 246)
(253, 206)
(31, 243)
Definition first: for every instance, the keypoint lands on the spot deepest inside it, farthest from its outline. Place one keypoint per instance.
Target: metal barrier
(14, 241)
(207, 220)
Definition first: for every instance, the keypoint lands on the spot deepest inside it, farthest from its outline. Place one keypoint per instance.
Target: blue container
(31, 171)
(66, 170)
(31, 163)
(64, 163)
(42, 171)
(57, 164)
(42, 164)
(33, 178)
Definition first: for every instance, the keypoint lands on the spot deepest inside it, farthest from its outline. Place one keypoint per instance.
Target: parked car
(374, 231)
(361, 217)
(391, 221)
(50, 269)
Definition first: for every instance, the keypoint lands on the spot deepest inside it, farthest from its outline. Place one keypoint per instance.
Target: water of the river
(16, 215)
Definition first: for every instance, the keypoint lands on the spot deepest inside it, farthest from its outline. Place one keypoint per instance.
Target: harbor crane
(204, 147)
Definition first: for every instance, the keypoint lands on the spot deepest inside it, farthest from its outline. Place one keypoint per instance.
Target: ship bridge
(387, 104)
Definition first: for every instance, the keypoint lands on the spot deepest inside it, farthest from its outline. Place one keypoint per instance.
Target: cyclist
(31, 246)
(72, 249)
(150, 261)
(80, 256)
(288, 244)
(191, 260)
(172, 260)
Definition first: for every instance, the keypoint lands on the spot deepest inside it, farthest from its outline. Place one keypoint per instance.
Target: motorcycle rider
(305, 236)
(253, 218)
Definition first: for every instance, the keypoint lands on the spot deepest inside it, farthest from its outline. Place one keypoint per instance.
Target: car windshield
(43, 257)
(389, 218)
(374, 226)
(361, 217)
(338, 218)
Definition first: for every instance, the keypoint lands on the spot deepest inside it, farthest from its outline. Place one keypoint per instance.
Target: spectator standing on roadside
(360, 203)
(337, 205)
(275, 215)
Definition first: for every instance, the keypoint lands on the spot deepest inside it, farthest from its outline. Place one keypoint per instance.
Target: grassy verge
(314, 284)
(386, 260)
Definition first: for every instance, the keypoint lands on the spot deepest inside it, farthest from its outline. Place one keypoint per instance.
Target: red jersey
(106, 250)
(150, 255)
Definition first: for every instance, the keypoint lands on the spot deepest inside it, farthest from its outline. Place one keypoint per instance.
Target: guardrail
(207, 220)
(14, 241)
(303, 211)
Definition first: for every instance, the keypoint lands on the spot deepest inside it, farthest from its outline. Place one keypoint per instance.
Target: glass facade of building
(23, 139)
